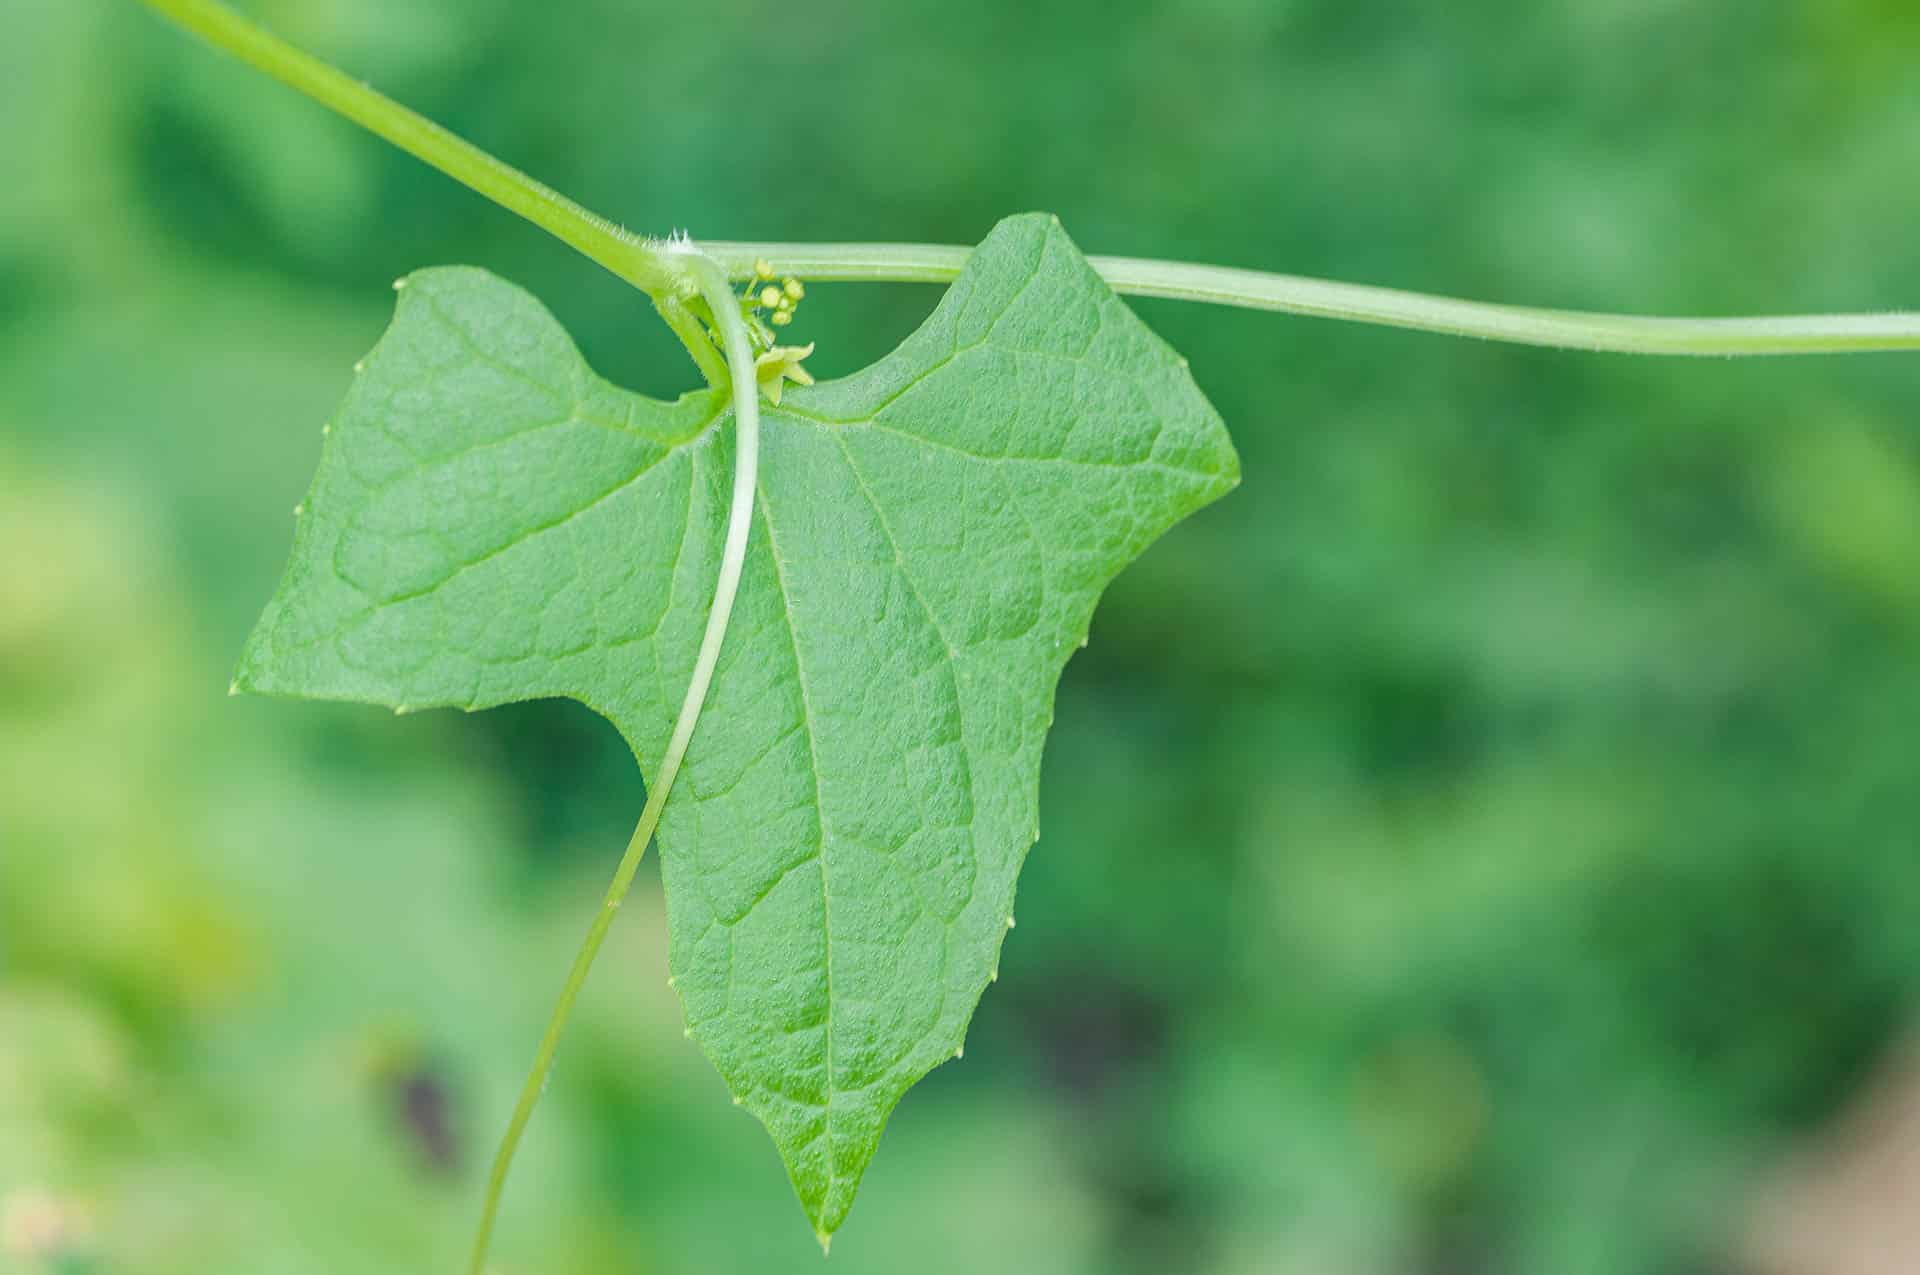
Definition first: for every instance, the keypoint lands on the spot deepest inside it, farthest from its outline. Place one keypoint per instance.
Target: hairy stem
(746, 464)
(1295, 294)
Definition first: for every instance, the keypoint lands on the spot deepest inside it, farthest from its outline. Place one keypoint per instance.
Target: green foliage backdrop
(1484, 843)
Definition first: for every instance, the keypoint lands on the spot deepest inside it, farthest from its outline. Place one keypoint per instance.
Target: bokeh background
(1485, 844)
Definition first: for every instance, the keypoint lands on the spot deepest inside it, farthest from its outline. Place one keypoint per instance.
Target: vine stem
(653, 268)
(1390, 307)
(641, 262)
(714, 289)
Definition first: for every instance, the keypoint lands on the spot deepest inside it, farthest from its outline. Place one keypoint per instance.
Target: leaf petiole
(692, 332)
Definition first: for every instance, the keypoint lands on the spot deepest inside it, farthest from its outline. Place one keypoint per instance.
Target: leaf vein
(819, 808)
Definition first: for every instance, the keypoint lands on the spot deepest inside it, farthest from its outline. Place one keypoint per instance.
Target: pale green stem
(1295, 294)
(648, 266)
(746, 463)
(640, 262)
(693, 334)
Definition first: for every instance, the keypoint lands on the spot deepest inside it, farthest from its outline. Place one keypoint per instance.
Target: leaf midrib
(820, 824)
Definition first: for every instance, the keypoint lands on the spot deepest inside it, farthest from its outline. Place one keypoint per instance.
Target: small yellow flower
(763, 269)
(769, 297)
(782, 364)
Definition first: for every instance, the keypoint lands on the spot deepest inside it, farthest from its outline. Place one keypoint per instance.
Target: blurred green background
(1484, 844)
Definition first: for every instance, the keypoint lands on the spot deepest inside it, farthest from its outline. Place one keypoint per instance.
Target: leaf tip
(245, 680)
(399, 283)
(826, 1242)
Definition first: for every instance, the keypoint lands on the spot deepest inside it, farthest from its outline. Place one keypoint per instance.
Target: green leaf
(492, 522)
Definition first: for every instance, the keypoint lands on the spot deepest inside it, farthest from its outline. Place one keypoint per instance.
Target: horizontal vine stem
(644, 264)
(1320, 298)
